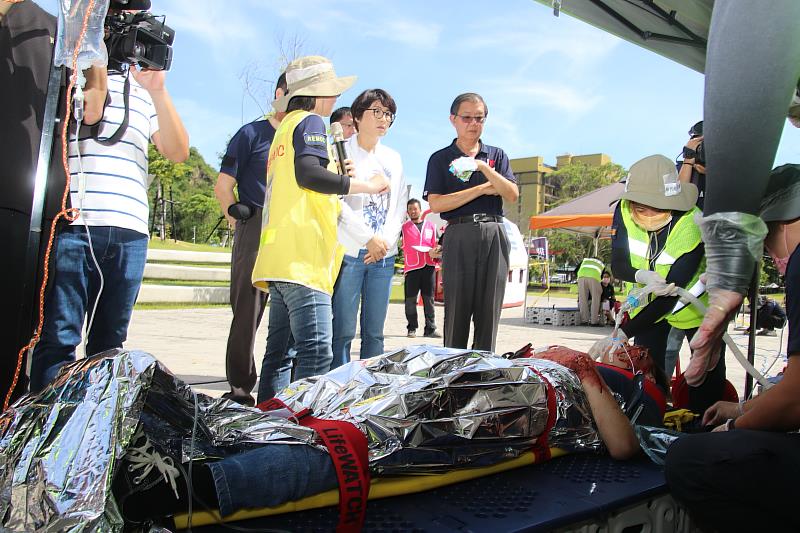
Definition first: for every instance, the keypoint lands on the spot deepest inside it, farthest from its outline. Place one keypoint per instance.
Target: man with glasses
(467, 182)
(344, 116)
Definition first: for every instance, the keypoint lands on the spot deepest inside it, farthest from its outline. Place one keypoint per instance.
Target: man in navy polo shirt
(244, 167)
(467, 183)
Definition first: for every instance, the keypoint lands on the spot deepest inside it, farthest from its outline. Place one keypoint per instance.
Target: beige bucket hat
(312, 76)
(653, 181)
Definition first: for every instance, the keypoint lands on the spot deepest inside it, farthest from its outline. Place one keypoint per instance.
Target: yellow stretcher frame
(380, 487)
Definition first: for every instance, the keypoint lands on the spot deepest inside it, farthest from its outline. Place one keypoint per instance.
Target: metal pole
(751, 341)
(33, 259)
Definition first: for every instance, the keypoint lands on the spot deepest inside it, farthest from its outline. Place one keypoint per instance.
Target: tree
(570, 182)
(190, 186)
(577, 179)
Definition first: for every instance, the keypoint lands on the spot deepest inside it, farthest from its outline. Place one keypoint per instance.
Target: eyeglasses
(380, 113)
(468, 120)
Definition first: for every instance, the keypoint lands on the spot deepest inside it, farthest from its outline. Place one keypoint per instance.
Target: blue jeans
(122, 254)
(305, 314)
(271, 475)
(371, 286)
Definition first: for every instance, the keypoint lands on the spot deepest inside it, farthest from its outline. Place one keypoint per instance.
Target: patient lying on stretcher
(624, 388)
(432, 412)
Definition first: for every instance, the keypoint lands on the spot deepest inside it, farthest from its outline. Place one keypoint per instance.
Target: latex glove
(706, 344)
(608, 345)
(655, 280)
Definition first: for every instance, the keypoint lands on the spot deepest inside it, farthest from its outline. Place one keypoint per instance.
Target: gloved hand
(655, 281)
(610, 344)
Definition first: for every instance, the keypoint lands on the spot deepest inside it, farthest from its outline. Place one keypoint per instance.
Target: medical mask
(781, 262)
(652, 222)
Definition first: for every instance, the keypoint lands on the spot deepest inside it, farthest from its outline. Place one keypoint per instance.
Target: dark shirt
(681, 272)
(246, 160)
(439, 179)
(620, 381)
(792, 282)
(608, 293)
(26, 47)
(310, 144)
(700, 182)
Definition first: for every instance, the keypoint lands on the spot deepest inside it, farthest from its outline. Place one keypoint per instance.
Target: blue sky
(552, 85)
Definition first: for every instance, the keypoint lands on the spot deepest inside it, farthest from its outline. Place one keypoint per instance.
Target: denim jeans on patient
(305, 314)
(369, 285)
(121, 254)
(271, 475)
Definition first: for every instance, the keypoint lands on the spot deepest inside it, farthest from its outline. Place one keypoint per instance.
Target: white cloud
(225, 27)
(388, 26)
(531, 37)
(406, 31)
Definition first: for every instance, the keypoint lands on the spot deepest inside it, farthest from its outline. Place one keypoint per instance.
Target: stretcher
(576, 492)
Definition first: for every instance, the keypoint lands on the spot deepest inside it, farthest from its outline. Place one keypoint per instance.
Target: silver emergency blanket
(421, 408)
(425, 408)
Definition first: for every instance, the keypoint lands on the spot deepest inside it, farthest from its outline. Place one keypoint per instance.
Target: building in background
(537, 192)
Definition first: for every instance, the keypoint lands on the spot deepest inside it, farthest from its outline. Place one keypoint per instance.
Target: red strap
(542, 446)
(348, 448)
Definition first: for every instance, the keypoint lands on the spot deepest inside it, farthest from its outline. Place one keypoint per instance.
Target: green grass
(185, 282)
(186, 263)
(169, 244)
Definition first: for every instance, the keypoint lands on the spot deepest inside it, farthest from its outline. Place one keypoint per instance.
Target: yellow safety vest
(591, 268)
(683, 238)
(298, 232)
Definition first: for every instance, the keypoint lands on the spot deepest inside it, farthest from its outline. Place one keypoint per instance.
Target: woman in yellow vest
(299, 254)
(657, 242)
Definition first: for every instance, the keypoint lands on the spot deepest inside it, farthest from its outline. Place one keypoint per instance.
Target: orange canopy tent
(589, 215)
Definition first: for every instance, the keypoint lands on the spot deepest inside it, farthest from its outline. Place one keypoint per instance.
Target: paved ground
(191, 342)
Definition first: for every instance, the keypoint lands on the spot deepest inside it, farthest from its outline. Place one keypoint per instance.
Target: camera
(139, 38)
(698, 154)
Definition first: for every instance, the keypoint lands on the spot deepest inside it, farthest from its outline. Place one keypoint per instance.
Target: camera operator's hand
(171, 139)
(150, 80)
(692, 144)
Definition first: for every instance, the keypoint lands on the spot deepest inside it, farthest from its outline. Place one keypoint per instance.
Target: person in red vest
(419, 251)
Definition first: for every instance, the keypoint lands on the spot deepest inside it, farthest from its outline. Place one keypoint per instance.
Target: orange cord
(69, 214)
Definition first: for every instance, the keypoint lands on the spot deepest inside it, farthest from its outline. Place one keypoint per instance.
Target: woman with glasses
(367, 269)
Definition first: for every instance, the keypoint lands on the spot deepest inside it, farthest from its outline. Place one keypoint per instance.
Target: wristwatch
(730, 425)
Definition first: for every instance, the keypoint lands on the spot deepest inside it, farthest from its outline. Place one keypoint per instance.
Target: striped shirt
(115, 176)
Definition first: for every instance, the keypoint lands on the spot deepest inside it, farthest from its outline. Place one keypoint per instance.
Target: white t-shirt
(385, 213)
(116, 175)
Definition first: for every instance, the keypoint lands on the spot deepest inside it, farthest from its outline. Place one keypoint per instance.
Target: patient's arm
(614, 427)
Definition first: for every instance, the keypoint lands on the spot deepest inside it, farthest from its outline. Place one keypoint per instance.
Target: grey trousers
(248, 305)
(474, 273)
(589, 287)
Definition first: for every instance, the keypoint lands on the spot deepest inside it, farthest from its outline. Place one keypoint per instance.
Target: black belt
(475, 219)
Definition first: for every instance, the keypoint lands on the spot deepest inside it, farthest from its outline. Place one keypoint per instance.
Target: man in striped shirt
(99, 258)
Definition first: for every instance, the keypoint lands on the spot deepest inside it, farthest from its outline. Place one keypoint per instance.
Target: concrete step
(186, 273)
(183, 294)
(188, 257)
